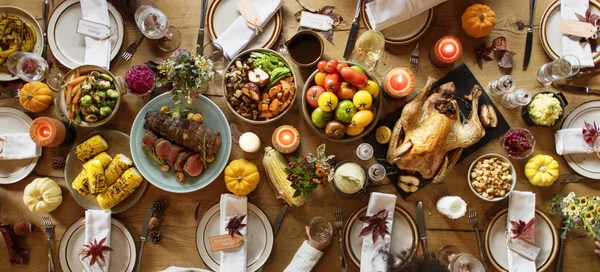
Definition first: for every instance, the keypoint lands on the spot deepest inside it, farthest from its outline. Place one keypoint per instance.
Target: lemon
(383, 134)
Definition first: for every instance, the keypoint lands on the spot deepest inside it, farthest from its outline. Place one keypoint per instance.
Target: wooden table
(178, 246)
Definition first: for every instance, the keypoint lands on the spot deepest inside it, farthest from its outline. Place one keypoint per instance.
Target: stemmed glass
(27, 66)
(459, 262)
(153, 24)
(369, 48)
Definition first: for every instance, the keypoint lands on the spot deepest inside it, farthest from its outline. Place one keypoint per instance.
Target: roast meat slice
(175, 150)
(181, 158)
(162, 148)
(194, 165)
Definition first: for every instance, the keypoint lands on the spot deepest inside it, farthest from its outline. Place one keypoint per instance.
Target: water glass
(369, 48)
(27, 66)
(320, 229)
(54, 77)
(214, 52)
(465, 262)
(501, 86)
(153, 24)
(519, 98)
(566, 66)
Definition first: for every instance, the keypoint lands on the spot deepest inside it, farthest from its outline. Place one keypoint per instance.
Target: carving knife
(353, 31)
(529, 40)
(575, 89)
(421, 225)
(45, 26)
(279, 219)
(200, 39)
(144, 234)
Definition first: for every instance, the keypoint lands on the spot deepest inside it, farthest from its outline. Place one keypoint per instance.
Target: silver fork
(339, 223)
(282, 50)
(414, 58)
(566, 178)
(49, 232)
(10, 93)
(131, 49)
(474, 220)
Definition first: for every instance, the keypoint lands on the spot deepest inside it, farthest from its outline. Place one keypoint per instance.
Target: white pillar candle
(249, 142)
(452, 206)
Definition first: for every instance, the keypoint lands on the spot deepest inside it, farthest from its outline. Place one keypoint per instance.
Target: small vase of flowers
(579, 212)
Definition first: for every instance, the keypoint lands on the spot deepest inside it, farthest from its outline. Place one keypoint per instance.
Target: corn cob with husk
(81, 182)
(124, 187)
(275, 164)
(90, 147)
(95, 175)
(116, 168)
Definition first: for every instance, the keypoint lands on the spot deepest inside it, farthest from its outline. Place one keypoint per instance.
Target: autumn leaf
(522, 229)
(482, 53)
(235, 224)
(376, 225)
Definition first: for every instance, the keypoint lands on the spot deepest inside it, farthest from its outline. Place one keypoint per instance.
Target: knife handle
(480, 246)
(559, 264)
(424, 240)
(138, 260)
(351, 39)
(528, 44)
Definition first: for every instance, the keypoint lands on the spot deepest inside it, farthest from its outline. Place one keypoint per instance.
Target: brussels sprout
(112, 93)
(110, 103)
(105, 111)
(85, 86)
(103, 84)
(106, 77)
(99, 96)
(86, 100)
(92, 109)
(94, 74)
(91, 118)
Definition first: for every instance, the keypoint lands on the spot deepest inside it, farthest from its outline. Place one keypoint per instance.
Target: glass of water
(566, 66)
(320, 229)
(153, 24)
(214, 52)
(369, 48)
(465, 262)
(27, 66)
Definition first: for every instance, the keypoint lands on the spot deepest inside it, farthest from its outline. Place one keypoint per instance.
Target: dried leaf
(326, 10)
(235, 224)
(96, 250)
(580, 17)
(376, 225)
(482, 53)
(306, 7)
(298, 15)
(522, 229)
(590, 132)
(337, 19)
(328, 35)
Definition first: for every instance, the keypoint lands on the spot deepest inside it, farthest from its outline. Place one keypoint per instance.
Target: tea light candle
(45, 131)
(452, 206)
(249, 142)
(399, 82)
(286, 139)
(446, 51)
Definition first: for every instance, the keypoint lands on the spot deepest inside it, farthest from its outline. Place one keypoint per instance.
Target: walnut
(499, 43)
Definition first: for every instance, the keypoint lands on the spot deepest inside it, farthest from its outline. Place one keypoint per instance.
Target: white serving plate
(15, 121)
(404, 32)
(587, 165)
(5, 75)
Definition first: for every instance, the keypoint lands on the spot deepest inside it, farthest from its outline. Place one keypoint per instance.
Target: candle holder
(399, 83)
(446, 51)
(286, 139)
(50, 132)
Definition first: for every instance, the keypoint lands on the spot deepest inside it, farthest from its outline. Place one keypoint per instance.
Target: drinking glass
(465, 262)
(521, 97)
(320, 229)
(214, 52)
(27, 66)
(54, 77)
(446, 254)
(566, 66)
(153, 24)
(501, 86)
(369, 48)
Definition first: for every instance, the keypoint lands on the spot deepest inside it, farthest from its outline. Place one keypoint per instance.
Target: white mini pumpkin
(42, 195)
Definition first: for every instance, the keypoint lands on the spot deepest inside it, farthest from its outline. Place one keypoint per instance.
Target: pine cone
(159, 206)
(155, 236)
(58, 163)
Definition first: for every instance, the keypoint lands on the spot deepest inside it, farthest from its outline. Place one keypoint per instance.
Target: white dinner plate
(66, 44)
(550, 34)
(259, 237)
(404, 32)
(15, 121)
(122, 258)
(222, 13)
(5, 75)
(404, 234)
(496, 239)
(587, 165)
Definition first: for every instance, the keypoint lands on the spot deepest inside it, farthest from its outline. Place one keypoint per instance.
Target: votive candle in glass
(446, 51)
(45, 131)
(286, 139)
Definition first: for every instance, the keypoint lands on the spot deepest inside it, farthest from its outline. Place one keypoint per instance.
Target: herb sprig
(308, 172)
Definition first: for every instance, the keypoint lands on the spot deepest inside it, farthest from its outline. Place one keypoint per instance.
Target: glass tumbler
(566, 66)
(214, 52)
(320, 229)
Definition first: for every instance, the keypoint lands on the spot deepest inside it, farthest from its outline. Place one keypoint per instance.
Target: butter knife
(45, 26)
(353, 31)
(529, 40)
(200, 39)
(575, 88)
(144, 234)
(559, 264)
(421, 225)
(279, 219)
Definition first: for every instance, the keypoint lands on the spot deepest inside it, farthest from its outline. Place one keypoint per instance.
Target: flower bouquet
(308, 172)
(578, 212)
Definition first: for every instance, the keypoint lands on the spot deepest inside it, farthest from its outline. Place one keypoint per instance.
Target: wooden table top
(178, 246)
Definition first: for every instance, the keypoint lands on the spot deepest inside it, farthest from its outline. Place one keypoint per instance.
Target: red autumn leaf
(522, 229)
(482, 53)
(235, 224)
(376, 225)
(96, 250)
(590, 132)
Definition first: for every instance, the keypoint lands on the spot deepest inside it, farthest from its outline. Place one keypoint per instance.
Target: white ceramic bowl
(502, 158)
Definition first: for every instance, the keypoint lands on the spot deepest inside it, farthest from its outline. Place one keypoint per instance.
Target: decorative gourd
(35, 96)
(541, 170)
(478, 20)
(241, 177)
(42, 195)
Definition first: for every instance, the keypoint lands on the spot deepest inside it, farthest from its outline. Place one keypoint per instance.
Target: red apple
(312, 95)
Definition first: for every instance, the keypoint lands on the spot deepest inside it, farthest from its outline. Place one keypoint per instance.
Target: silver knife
(559, 264)
(45, 24)
(529, 40)
(279, 219)
(353, 31)
(200, 39)
(144, 234)
(421, 224)
(575, 89)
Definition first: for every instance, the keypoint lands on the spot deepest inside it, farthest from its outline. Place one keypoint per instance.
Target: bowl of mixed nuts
(492, 177)
(259, 86)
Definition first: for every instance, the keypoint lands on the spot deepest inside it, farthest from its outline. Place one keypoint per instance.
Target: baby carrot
(68, 95)
(77, 80)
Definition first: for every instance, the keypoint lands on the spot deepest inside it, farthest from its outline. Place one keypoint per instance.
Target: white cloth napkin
(385, 13)
(571, 46)
(184, 269)
(18, 146)
(521, 206)
(97, 52)
(371, 262)
(234, 259)
(570, 141)
(97, 226)
(239, 34)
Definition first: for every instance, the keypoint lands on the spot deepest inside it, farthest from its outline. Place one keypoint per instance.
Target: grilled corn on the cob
(91, 147)
(116, 168)
(124, 187)
(275, 164)
(81, 182)
(95, 175)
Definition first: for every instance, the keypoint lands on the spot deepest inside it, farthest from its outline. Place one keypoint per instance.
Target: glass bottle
(521, 97)
(501, 86)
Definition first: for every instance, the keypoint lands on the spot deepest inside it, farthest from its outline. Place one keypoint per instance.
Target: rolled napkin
(371, 262)
(97, 52)
(17, 146)
(571, 46)
(239, 34)
(521, 206)
(97, 227)
(234, 259)
(385, 13)
(570, 141)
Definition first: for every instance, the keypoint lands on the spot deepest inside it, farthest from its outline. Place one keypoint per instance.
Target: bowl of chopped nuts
(492, 177)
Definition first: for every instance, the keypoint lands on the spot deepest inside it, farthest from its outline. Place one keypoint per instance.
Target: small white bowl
(502, 158)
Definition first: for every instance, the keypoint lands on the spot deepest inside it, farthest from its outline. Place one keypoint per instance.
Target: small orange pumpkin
(478, 20)
(35, 96)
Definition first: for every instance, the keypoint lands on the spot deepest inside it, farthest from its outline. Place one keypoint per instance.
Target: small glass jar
(364, 151)
(518, 143)
(377, 172)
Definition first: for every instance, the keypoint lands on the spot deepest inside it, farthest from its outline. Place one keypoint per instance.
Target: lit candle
(399, 82)
(50, 132)
(446, 51)
(249, 142)
(286, 139)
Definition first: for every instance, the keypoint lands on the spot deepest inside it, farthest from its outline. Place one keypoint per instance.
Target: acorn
(23, 228)
(154, 223)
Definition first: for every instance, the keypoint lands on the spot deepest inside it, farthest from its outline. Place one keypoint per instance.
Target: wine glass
(27, 66)
(153, 24)
(55, 76)
(214, 52)
(369, 48)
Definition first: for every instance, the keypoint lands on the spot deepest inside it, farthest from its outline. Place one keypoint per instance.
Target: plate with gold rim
(404, 32)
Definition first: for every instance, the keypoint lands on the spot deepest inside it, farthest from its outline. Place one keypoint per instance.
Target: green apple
(320, 118)
(344, 111)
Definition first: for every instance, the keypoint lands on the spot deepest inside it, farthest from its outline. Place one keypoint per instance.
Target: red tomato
(341, 65)
(332, 82)
(346, 91)
(320, 78)
(312, 95)
(331, 67)
(354, 77)
(322, 65)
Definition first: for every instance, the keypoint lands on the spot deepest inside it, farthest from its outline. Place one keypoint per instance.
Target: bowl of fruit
(341, 101)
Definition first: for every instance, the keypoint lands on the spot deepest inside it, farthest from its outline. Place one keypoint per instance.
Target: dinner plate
(222, 13)
(259, 237)
(404, 234)
(496, 239)
(118, 143)
(213, 118)
(122, 258)
(66, 44)
(404, 32)
(5, 75)
(15, 121)
(587, 165)
(550, 34)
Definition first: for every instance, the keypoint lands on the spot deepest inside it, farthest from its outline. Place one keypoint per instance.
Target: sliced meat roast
(194, 165)
(181, 158)
(162, 148)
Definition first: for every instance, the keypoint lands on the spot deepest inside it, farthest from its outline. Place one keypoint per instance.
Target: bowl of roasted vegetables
(90, 95)
(260, 86)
